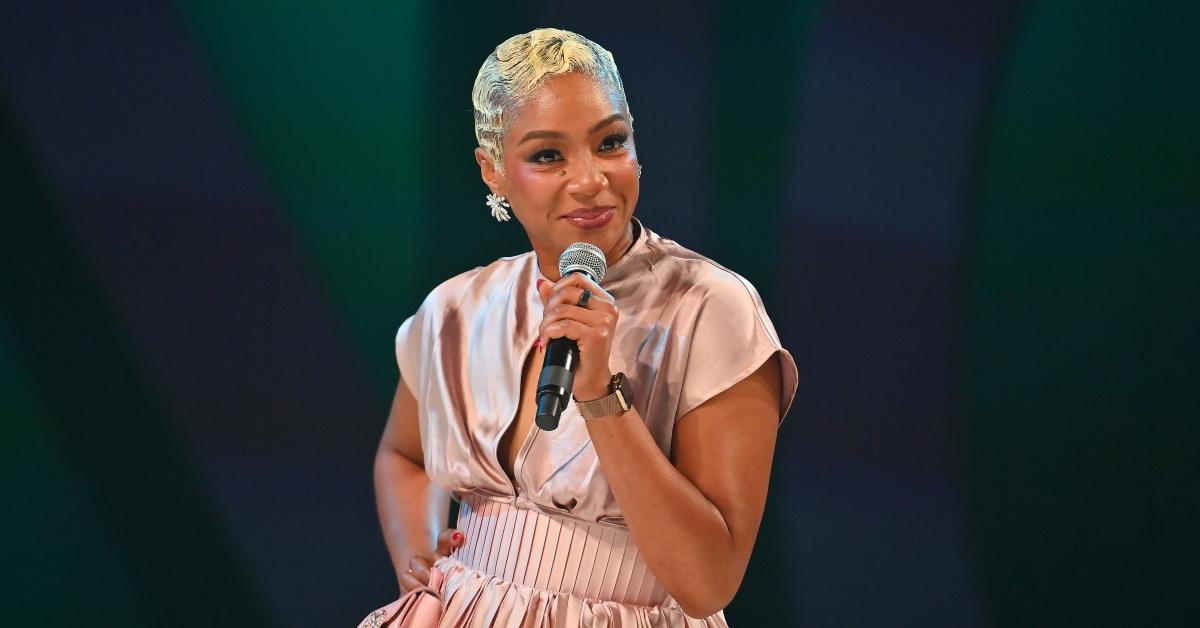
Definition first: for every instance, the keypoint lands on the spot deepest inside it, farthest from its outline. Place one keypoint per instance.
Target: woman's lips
(591, 217)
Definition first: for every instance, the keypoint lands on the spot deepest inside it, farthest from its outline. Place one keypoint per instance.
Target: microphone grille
(585, 258)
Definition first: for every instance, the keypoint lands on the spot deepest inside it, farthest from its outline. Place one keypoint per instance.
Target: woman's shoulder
(473, 282)
(681, 269)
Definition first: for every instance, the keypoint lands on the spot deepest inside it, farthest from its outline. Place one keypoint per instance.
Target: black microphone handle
(554, 386)
(558, 374)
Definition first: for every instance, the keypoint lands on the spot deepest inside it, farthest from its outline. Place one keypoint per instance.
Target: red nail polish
(456, 537)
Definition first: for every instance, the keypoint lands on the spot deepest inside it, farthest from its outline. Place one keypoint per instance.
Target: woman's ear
(488, 171)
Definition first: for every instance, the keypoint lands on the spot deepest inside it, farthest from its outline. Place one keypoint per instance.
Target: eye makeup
(545, 156)
(616, 139)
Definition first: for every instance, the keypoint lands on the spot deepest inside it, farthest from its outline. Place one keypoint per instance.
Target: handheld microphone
(562, 354)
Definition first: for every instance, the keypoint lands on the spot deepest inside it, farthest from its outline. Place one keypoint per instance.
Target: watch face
(618, 386)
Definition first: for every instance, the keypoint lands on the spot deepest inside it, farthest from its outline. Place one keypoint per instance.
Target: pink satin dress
(552, 549)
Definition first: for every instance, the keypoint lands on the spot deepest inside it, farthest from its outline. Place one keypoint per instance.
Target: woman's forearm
(681, 534)
(412, 509)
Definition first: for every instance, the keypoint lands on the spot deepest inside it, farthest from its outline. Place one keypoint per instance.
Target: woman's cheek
(625, 181)
(532, 186)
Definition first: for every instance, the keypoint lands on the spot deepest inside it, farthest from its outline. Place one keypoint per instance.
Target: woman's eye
(613, 142)
(544, 157)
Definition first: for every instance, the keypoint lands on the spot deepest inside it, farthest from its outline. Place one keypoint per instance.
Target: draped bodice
(688, 329)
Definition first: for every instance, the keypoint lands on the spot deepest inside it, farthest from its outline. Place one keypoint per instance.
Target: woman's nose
(587, 177)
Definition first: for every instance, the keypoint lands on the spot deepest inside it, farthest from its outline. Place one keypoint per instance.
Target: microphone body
(554, 386)
(562, 354)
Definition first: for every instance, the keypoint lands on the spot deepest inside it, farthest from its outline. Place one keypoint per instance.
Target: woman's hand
(591, 328)
(417, 574)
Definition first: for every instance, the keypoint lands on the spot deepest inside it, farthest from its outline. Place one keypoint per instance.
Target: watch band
(615, 402)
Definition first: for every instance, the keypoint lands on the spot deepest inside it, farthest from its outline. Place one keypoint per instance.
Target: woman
(639, 515)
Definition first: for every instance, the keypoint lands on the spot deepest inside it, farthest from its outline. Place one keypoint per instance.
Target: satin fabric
(522, 567)
(688, 330)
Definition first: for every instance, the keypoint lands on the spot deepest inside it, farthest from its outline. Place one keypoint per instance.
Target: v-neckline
(501, 457)
(640, 236)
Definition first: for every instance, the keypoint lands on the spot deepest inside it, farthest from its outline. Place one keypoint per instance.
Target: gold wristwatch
(615, 402)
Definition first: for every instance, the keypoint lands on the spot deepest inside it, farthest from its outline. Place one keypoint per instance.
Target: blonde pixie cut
(516, 68)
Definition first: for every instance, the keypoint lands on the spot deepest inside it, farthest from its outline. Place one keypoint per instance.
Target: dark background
(974, 224)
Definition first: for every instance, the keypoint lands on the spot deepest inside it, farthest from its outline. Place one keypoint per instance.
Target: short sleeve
(417, 339)
(731, 336)
(409, 347)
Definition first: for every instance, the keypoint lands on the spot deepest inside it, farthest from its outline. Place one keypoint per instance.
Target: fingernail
(456, 537)
(540, 282)
(539, 342)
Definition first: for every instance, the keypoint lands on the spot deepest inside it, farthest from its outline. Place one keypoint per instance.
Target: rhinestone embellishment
(499, 207)
(374, 620)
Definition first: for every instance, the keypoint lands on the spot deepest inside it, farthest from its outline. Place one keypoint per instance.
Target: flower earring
(499, 207)
(639, 171)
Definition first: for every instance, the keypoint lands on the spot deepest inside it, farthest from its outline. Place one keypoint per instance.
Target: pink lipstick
(591, 217)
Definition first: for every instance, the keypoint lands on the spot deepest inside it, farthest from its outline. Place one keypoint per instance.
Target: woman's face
(570, 168)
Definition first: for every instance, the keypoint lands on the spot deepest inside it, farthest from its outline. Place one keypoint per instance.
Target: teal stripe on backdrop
(53, 529)
(128, 529)
(1080, 311)
(333, 103)
(754, 88)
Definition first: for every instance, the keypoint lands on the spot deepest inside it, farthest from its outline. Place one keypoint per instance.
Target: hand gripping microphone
(562, 354)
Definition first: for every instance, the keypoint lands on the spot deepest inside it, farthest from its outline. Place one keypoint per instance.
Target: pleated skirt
(521, 568)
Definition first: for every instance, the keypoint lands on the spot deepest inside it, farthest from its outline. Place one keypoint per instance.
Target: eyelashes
(612, 143)
(617, 140)
(546, 156)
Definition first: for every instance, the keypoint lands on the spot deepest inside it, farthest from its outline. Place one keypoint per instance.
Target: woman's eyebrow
(607, 121)
(536, 135)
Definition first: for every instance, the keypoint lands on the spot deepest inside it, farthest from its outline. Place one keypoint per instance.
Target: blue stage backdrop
(973, 222)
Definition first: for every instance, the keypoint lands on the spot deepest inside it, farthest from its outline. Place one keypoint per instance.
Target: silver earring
(499, 207)
(639, 171)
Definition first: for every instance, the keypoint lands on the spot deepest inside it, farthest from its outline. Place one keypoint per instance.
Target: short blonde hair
(516, 68)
